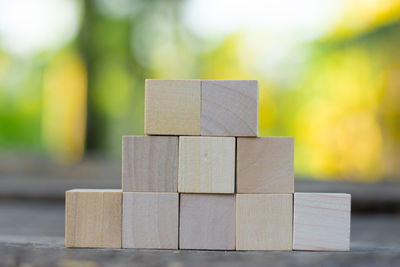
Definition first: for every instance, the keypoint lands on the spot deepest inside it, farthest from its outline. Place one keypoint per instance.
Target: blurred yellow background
(72, 74)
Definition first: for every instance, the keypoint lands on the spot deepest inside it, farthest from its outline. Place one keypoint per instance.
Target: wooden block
(150, 163)
(321, 221)
(264, 221)
(93, 218)
(207, 221)
(229, 108)
(172, 107)
(150, 220)
(206, 165)
(265, 165)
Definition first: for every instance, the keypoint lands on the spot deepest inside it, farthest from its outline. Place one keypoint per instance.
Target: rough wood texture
(207, 221)
(265, 165)
(264, 221)
(172, 107)
(150, 163)
(93, 218)
(206, 165)
(321, 221)
(150, 220)
(229, 108)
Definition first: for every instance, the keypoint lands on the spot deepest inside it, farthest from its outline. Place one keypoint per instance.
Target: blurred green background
(72, 74)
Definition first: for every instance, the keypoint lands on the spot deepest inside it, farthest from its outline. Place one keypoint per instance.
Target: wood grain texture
(150, 164)
(265, 165)
(264, 221)
(229, 108)
(321, 221)
(150, 220)
(172, 107)
(207, 221)
(206, 164)
(93, 218)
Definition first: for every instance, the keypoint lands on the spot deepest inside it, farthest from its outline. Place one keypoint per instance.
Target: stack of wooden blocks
(201, 178)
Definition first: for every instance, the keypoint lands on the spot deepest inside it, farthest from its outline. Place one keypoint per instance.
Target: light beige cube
(321, 221)
(150, 163)
(150, 220)
(229, 108)
(264, 221)
(93, 218)
(207, 221)
(265, 165)
(173, 107)
(206, 164)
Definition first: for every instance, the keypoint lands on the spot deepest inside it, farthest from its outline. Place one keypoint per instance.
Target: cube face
(229, 108)
(150, 164)
(207, 221)
(150, 220)
(264, 221)
(265, 165)
(172, 107)
(206, 165)
(321, 221)
(93, 218)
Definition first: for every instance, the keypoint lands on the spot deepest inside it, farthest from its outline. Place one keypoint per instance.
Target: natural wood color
(93, 218)
(265, 165)
(206, 165)
(229, 108)
(207, 221)
(150, 220)
(150, 164)
(172, 107)
(321, 221)
(264, 221)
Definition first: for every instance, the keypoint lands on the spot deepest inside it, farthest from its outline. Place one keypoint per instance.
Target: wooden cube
(150, 164)
(150, 220)
(265, 165)
(207, 221)
(229, 108)
(206, 165)
(264, 221)
(93, 218)
(172, 107)
(321, 221)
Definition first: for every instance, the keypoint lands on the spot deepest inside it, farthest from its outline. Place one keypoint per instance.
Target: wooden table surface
(32, 222)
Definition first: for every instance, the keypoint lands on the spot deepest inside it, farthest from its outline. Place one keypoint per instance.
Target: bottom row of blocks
(110, 218)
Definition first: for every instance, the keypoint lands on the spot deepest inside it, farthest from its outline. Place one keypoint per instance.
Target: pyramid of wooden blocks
(202, 179)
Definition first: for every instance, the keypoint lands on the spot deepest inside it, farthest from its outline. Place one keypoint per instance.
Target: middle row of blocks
(190, 164)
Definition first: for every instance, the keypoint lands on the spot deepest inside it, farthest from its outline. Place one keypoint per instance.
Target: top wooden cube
(172, 107)
(229, 108)
(201, 107)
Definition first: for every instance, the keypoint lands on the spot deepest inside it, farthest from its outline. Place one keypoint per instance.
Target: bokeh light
(72, 74)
